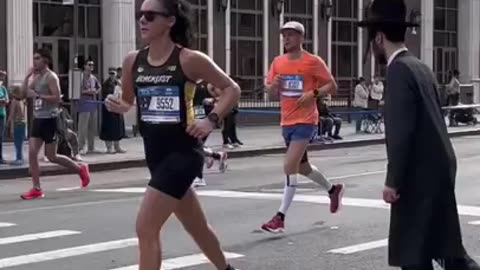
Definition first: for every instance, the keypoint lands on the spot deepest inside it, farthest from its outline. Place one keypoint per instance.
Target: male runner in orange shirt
(299, 78)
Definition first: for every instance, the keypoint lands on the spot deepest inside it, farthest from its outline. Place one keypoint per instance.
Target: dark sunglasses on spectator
(150, 15)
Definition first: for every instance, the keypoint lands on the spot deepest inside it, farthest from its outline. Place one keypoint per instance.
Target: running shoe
(336, 198)
(84, 175)
(209, 162)
(32, 194)
(199, 182)
(222, 163)
(275, 225)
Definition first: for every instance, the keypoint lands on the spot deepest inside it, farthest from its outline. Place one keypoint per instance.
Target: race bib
(292, 86)
(38, 104)
(199, 112)
(160, 104)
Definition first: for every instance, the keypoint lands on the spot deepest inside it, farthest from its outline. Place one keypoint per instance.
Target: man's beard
(379, 53)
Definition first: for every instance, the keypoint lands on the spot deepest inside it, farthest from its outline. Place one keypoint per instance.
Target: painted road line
(122, 190)
(475, 223)
(360, 247)
(5, 225)
(36, 236)
(356, 175)
(66, 253)
(463, 210)
(186, 261)
(68, 188)
(305, 180)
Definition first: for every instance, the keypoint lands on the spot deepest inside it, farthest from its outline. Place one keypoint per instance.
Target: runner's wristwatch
(316, 93)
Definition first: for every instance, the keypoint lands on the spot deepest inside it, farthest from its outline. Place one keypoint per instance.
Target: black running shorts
(173, 172)
(45, 129)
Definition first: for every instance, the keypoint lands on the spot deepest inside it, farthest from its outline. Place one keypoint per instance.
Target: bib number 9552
(167, 104)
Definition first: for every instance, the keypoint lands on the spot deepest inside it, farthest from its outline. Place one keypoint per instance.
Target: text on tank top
(43, 109)
(164, 96)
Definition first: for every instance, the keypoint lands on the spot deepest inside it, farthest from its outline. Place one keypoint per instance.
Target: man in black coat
(420, 184)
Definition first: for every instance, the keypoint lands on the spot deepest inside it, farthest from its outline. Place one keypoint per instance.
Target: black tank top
(164, 102)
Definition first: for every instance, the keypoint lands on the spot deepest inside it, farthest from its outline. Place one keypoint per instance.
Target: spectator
(329, 120)
(87, 117)
(16, 121)
(113, 125)
(3, 113)
(453, 96)
(229, 131)
(453, 88)
(360, 101)
(377, 92)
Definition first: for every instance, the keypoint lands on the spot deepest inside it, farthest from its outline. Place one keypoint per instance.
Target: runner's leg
(191, 215)
(335, 192)
(150, 220)
(297, 141)
(34, 148)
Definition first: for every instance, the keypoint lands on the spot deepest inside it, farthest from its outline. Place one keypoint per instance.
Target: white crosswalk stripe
(35, 236)
(66, 252)
(186, 261)
(360, 247)
(5, 225)
(52, 255)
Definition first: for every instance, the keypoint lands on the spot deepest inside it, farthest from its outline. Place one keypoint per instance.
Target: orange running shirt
(299, 76)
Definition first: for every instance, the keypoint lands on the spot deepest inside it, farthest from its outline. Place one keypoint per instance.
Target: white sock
(317, 177)
(288, 192)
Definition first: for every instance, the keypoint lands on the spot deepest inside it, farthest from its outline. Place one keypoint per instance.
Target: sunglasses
(150, 15)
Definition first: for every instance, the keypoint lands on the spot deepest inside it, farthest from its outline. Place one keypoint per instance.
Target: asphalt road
(93, 229)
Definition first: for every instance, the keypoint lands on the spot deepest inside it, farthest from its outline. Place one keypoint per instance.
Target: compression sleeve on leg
(288, 193)
(317, 177)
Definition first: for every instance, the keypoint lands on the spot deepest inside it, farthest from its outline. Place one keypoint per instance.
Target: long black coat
(113, 124)
(421, 166)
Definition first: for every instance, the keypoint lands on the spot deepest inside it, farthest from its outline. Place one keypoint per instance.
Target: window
(445, 43)
(302, 12)
(52, 18)
(344, 45)
(247, 43)
(200, 27)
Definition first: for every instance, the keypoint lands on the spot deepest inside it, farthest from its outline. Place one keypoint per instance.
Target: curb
(135, 163)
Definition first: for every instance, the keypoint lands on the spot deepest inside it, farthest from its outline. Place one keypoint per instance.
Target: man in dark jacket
(420, 186)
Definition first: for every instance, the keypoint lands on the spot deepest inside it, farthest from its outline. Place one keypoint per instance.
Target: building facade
(242, 36)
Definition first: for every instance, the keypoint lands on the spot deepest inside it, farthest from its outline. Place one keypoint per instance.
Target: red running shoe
(275, 225)
(32, 194)
(336, 198)
(84, 175)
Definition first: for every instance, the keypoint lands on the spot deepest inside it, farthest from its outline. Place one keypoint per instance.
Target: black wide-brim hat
(385, 13)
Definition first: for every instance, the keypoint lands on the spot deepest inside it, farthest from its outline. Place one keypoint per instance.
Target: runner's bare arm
(197, 65)
(54, 87)
(326, 82)
(272, 81)
(128, 93)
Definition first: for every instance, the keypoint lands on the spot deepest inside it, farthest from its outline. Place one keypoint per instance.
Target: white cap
(294, 26)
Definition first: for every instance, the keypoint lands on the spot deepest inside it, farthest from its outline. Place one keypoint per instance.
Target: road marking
(463, 210)
(356, 175)
(68, 188)
(475, 223)
(55, 207)
(186, 261)
(67, 252)
(123, 190)
(360, 247)
(35, 236)
(4, 225)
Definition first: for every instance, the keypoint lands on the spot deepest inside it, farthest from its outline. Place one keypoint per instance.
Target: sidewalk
(257, 141)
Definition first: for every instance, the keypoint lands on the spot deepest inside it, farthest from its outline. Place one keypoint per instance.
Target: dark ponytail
(181, 31)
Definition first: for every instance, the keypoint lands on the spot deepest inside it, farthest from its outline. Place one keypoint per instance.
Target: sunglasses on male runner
(150, 15)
